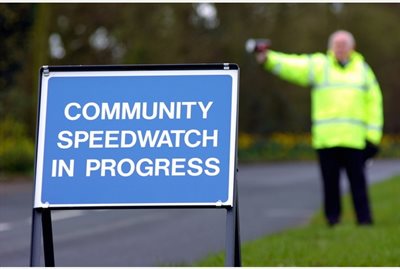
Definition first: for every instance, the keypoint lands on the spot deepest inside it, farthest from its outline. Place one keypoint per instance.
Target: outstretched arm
(294, 68)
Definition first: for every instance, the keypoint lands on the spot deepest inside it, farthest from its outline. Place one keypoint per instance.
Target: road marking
(5, 227)
(102, 228)
(66, 214)
(55, 216)
(61, 215)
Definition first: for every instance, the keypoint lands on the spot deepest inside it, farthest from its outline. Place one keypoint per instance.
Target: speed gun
(255, 45)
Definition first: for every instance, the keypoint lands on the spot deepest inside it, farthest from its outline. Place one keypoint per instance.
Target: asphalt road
(273, 197)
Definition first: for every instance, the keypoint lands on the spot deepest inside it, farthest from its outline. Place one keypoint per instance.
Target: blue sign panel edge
(39, 165)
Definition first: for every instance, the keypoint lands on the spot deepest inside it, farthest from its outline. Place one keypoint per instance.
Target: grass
(344, 245)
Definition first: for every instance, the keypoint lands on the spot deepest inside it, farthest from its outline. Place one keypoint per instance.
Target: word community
(136, 110)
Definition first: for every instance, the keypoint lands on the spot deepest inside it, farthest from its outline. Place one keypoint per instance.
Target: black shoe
(365, 223)
(332, 224)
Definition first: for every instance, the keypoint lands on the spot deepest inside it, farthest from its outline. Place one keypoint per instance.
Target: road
(273, 197)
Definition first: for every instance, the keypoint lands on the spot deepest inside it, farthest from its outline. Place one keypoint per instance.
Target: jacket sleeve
(294, 68)
(374, 108)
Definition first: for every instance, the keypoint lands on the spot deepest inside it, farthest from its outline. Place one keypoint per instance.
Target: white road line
(4, 226)
(102, 228)
(66, 214)
(61, 215)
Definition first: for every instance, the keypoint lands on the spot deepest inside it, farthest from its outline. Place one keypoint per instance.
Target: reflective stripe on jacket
(346, 101)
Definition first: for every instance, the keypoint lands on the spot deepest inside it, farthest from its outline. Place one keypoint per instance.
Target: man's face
(342, 47)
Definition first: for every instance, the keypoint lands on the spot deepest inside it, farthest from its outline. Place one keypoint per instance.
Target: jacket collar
(354, 57)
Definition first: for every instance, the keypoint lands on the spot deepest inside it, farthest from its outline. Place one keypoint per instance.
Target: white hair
(349, 36)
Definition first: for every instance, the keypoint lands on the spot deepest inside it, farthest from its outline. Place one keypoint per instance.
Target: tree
(15, 23)
(103, 33)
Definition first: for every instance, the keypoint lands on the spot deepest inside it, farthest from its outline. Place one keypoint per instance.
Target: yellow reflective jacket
(346, 101)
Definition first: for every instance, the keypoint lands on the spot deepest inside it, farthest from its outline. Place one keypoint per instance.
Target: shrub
(16, 148)
(294, 147)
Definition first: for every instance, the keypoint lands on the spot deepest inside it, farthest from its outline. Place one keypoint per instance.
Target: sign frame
(41, 213)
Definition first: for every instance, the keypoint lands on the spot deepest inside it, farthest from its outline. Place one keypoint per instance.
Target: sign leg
(48, 238)
(36, 238)
(238, 256)
(232, 253)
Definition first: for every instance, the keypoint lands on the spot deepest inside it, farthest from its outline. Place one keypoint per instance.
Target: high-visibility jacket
(346, 100)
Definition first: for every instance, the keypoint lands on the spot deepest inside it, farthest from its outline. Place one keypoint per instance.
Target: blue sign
(136, 138)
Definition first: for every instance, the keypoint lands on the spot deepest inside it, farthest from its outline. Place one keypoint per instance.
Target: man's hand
(261, 57)
(370, 151)
(259, 47)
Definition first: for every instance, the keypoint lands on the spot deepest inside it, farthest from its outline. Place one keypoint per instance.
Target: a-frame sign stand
(198, 101)
(232, 245)
(42, 217)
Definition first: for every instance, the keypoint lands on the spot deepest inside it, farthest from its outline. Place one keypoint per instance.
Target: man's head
(342, 43)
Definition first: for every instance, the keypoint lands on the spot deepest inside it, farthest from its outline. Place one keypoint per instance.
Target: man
(347, 116)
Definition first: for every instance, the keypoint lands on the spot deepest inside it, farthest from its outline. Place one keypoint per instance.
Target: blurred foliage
(15, 26)
(16, 148)
(37, 34)
(275, 147)
(290, 146)
(390, 146)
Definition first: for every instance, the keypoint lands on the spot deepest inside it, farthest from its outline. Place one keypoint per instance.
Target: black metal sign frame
(41, 230)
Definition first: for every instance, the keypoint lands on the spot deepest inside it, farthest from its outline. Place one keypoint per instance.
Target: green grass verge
(344, 245)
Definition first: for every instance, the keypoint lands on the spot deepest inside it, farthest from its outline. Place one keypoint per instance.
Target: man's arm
(374, 108)
(298, 69)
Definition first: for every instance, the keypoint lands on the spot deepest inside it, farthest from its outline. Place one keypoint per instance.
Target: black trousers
(332, 161)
